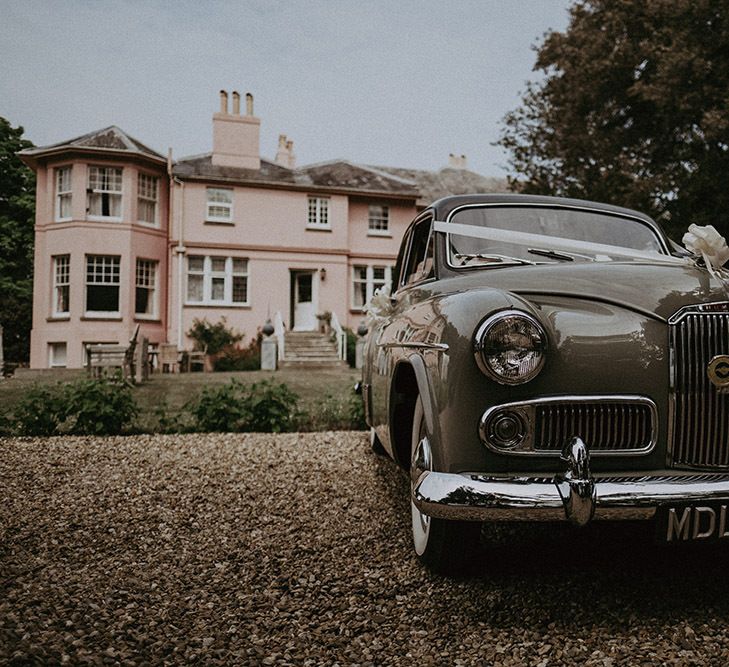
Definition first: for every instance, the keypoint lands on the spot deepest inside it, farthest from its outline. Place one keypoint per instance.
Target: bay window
(147, 199)
(104, 193)
(61, 284)
(63, 194)
(102, 285)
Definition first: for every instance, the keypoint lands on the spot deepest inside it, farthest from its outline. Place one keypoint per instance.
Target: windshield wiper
(559, 254)
(552, 254)
(496, 259)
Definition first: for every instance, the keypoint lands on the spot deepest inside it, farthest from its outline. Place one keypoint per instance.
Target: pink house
(124, 236)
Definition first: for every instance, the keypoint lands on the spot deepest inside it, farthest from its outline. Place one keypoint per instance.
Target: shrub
(219, 408)
(272, 407)
(235, 358)
(351, 347)
(266, 406)
(212, 338)
(99, 407)
(40, 411)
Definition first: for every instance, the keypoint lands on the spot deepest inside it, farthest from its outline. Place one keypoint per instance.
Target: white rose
(380, 304)
(708, 243)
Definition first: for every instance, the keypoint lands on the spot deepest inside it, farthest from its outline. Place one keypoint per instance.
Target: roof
(342, 175)
(434, 185)
(333, 176)
(337, 175)
(110, 138)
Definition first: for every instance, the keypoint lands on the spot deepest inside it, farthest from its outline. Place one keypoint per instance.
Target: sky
(400, 83)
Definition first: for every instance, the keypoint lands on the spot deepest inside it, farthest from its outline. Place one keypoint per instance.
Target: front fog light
(504, 429)
(510, 347)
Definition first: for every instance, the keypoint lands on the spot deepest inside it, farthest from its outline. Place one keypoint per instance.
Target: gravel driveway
(294, 549)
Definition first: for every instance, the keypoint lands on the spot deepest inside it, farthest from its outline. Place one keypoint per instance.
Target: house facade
(126, 236)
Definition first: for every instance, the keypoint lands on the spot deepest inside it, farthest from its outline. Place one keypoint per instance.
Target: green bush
(351, 347)
(213, 338)
(99, 407)
(266, 406)
(40, 411)
(219, 408)
(272, 407)
(235, 358)
(85, 407)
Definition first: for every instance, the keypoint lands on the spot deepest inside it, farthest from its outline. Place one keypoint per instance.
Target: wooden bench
(103, 358)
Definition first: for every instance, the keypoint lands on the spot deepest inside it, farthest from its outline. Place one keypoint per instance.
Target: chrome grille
(604, 426)
(701, 413)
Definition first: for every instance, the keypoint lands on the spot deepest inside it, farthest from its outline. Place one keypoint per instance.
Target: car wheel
(442, 545)
(375, 443)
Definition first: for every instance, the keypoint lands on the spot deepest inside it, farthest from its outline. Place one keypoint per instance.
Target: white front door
(305, 302)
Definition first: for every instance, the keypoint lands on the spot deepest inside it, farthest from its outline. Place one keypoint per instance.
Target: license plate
(706, 522)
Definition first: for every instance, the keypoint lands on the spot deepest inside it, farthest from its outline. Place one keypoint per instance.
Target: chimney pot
(249, 104)
(223, 102)
(236, 103)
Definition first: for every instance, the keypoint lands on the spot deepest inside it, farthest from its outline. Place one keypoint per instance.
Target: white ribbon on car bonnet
(551, 242)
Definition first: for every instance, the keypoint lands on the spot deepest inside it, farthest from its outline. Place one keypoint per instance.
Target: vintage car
(550, 359)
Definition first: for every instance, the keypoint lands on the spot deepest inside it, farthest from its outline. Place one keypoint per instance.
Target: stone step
(310, 348)
(312, 363)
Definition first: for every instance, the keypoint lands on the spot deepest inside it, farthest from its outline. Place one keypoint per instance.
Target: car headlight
(510, 347)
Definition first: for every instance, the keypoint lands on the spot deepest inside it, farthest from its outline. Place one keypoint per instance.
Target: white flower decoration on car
(380, 305)
(708, 243)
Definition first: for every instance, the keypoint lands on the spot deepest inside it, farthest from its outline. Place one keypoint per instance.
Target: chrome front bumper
(574, 495)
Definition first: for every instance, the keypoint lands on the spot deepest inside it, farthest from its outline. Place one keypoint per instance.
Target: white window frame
(52, 354)
(64, 192)
(103, 314)
(227, 274)
(102, 191)
(369, 282)
(377, 215)
(146, 270)
(317, 215)
(61, 267)
(148, 196)
(212, 203)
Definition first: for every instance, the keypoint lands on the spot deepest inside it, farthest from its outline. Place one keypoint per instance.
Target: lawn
(313, 386)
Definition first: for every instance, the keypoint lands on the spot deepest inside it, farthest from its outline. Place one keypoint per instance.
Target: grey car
(550, 359)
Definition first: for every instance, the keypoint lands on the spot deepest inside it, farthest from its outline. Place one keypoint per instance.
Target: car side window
(420, 260)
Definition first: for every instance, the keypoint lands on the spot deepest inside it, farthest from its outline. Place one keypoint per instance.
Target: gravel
(295, 550)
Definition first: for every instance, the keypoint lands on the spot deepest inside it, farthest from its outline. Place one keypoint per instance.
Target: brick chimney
(236, 138)
(285, 153)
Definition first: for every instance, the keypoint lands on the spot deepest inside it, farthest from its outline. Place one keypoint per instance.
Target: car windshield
(507, 235)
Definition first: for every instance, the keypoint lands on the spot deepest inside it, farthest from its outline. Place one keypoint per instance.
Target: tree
(17, 213)
(633, 110)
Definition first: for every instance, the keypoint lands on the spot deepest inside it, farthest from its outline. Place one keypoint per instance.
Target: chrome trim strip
(439, 347)
(710, 308)
(527, 409)
(477, 497)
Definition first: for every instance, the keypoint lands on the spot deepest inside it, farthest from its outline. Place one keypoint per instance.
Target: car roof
(445, 206)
